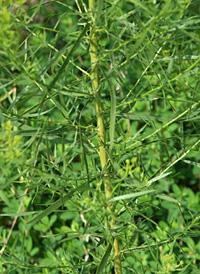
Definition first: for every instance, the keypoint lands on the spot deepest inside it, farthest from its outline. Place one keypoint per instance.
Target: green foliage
(9, 144)
(51, 182)
(11, 14)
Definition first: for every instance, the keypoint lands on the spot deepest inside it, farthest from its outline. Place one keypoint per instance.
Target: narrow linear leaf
(112, 111)
(179, 156)
(146, 247)
(190, 72)
(18, 214)
(141, 5)
(192, 234)
(76, 94)
(132, 116)
(158, 178)
(99, 10)
(131, 195)
(35, 11)
(167, 198)
(53, 60)
(84, 158)
(184, 57)
(12, 180)
(20, 95)
(41, 114)
(70, 54)
(191, 163)
(188, 21)
(76, 234)
(164, 126)
(57, 204)
(4, 198)
(138, 43)
(104, 260)
(112, 116)
(59, 107)
(146, 117)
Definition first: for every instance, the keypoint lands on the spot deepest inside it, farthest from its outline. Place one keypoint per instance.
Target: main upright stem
(101, 128)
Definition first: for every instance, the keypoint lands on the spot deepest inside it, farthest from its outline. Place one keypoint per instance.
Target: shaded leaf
(70, 54)
(58, 203)
(104, 260)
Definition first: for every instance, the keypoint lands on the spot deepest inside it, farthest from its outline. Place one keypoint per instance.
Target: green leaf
(53, 60)
(191, 163)
(112, 111)
(104, 260)
(58, 203)
(70, 54)
(13, 179)
(167, 198)
(184, 57)
(20, 95)
(141, 5)
(158, 178)
(142, 117)
(146, 117)
(99, 10)
(190, 72)
(131, 195)
(4, 198)
(18, 214)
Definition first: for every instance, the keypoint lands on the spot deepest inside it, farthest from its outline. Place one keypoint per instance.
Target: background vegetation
(55, 217)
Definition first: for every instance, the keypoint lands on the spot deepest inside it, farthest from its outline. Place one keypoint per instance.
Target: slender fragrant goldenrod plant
(100, 125)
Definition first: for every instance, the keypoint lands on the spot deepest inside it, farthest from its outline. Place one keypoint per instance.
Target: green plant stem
(101, 129)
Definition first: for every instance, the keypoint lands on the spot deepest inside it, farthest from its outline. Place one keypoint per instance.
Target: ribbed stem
(101, 128)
